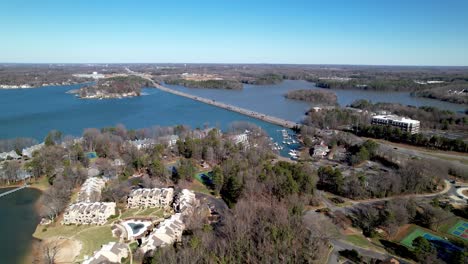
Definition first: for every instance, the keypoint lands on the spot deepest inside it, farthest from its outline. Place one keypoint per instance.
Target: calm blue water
(269, 99)
(34, 112)
(18, 221)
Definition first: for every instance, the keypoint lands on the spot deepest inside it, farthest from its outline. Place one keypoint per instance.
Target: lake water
(269, 99)
(18, 221)
(34, 112)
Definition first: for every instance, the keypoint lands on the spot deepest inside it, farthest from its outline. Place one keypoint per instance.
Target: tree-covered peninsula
(314, 96)
(115, 87)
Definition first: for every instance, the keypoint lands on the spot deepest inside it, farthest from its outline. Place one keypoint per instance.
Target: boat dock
(267, 118)
(12, 191)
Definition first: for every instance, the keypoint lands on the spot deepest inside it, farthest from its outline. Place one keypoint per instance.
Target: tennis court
(460, 229)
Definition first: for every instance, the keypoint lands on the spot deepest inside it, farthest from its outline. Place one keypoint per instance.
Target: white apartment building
(156, 197)
(403, 123)
(91, 190)
(185, 202)
(88, 213)
(168, 232)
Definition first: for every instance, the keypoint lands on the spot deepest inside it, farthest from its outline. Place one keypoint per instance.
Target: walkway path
(12, 191)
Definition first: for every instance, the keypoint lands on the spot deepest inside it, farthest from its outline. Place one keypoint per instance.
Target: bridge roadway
(12, 191)
(267, 118)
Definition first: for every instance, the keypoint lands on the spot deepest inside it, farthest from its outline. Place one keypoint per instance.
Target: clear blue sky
(383, 32)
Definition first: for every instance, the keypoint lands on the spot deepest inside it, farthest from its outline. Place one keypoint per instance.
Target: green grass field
(358, 240)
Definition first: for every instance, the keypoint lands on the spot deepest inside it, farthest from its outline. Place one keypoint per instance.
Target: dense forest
(456, 92)
(210, 84)
(334, 118)
(115, 86)
(319, 97)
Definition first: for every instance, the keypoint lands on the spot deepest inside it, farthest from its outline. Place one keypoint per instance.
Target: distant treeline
(265, 79)
(210, 84)
(442, 93)
(314, 96)
(369, 84)
(396, 135)
(430, 117)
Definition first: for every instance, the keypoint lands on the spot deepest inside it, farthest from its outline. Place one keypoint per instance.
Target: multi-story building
(88, 213)
(91, 190)
(403, 123)
(185, 202)
(168, 232)
(157, 197)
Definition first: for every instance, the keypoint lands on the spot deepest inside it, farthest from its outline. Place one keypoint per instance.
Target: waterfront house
(28, 152)
(9, 155)
(320, 150)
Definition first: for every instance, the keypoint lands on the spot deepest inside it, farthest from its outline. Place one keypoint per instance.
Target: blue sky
(382, 32)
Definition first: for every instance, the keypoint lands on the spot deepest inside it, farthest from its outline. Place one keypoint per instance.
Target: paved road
(333, 207)
(339, 245)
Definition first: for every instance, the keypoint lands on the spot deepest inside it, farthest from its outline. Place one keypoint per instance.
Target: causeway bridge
(267, 118)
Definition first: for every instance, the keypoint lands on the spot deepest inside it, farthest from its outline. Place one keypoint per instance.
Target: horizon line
(246, 63)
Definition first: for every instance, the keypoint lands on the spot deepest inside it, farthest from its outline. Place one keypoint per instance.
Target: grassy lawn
(447, 225)
(155, 212)
(130, 212)
(151, 212)
(358, 240)
(199, 187)
(42, 183)
(93, 238)
(58, 230)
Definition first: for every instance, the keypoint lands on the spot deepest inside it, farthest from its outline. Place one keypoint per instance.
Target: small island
(320, 97)
(113, 88)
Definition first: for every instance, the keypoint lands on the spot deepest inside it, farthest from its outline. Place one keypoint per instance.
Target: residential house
(320, 150)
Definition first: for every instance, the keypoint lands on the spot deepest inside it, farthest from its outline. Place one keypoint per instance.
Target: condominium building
(88, 213)
(157, 197)
(185, 202)
(168, 232)
(91, 190)
(403, 123)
